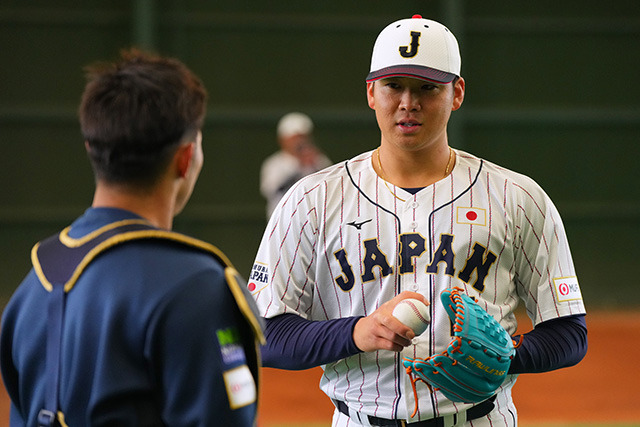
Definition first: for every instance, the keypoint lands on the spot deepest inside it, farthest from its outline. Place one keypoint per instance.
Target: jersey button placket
(410, 208)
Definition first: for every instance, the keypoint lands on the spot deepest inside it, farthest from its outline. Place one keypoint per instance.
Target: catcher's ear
(184, 157)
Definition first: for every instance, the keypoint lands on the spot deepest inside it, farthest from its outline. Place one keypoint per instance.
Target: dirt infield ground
(603, 388)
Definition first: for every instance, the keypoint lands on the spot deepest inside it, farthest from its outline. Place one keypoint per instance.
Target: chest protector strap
(60, 260)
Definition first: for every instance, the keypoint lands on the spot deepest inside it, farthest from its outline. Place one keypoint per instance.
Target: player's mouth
(408, 126)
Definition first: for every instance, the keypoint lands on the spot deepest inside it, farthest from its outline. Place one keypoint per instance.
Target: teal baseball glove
(476, 361)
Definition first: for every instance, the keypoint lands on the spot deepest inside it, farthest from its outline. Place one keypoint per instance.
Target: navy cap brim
(412, 71)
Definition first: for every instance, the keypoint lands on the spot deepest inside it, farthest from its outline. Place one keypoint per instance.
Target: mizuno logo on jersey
(358, 225)
(412, 246)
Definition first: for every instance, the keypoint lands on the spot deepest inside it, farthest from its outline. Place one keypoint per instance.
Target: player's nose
(409, 100)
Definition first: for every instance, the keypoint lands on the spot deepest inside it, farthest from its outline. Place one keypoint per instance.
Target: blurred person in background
(298, 157)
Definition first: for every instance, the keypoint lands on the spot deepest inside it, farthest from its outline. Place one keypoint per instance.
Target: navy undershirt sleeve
(554, 344)
(295, 343)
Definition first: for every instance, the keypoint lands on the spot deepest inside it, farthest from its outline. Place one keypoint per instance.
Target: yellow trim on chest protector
(231, 274)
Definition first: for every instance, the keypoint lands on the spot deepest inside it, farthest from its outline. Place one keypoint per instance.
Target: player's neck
(152, 205)
(412, 169)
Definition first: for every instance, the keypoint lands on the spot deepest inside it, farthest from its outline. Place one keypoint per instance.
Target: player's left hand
(381, 330)
(476, 361)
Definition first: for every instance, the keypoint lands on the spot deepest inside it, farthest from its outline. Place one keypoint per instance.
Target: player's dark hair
(135, 112)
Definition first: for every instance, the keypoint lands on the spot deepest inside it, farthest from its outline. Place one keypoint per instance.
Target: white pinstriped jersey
(341, 244)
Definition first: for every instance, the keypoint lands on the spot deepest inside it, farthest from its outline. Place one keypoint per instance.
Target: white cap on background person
(418, 48)
(294, 124)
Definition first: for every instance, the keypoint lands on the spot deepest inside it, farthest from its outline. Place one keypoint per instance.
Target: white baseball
(413, 313)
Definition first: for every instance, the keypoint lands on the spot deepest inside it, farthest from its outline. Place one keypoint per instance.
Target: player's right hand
(381, 330)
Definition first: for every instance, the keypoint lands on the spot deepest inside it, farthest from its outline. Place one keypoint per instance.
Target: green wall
(551, 92)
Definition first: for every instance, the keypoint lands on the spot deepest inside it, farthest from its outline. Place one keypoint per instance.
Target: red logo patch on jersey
(567, 288)
(472, 216)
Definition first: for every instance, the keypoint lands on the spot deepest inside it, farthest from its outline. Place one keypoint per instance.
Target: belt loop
(462, 419)
(362, 418)
(449, 420)
(454, 420)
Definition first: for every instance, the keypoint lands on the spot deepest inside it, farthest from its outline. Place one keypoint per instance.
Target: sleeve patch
(241, 388)
(567, 288)
(231, 347)
(259, 278)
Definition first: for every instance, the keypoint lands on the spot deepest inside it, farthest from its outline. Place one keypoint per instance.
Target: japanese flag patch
(472, 216)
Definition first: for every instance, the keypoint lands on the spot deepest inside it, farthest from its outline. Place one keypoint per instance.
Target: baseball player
(298, 156)
(122, 322)
(412, 218)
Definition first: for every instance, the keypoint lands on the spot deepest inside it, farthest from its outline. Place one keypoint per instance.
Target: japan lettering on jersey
(341, 243)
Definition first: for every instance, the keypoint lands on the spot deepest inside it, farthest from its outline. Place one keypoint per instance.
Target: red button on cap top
(416, 17)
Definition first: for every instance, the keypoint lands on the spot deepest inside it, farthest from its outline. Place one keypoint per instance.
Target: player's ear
(370, 98)
(458, 93)
(184, 157)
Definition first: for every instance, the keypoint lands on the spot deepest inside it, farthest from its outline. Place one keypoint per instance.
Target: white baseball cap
(417, 48)
(294, 124)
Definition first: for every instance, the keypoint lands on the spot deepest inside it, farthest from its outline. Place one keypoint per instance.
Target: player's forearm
(295, 343)
(551, 345)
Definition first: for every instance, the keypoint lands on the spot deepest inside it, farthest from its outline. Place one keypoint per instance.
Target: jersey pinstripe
(341, 243)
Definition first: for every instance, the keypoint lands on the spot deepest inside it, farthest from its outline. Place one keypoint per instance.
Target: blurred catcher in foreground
(122, 321)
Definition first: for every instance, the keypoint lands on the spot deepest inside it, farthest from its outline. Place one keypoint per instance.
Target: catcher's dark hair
(135, 112)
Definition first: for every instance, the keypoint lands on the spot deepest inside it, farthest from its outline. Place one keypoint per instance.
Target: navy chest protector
(60, 260)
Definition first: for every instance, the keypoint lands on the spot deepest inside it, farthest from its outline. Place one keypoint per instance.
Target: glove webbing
(414, 380)
(459, 309)
(413, 386)
(455, 344)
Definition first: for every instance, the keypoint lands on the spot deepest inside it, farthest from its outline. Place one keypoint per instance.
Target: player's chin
(413, 140)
